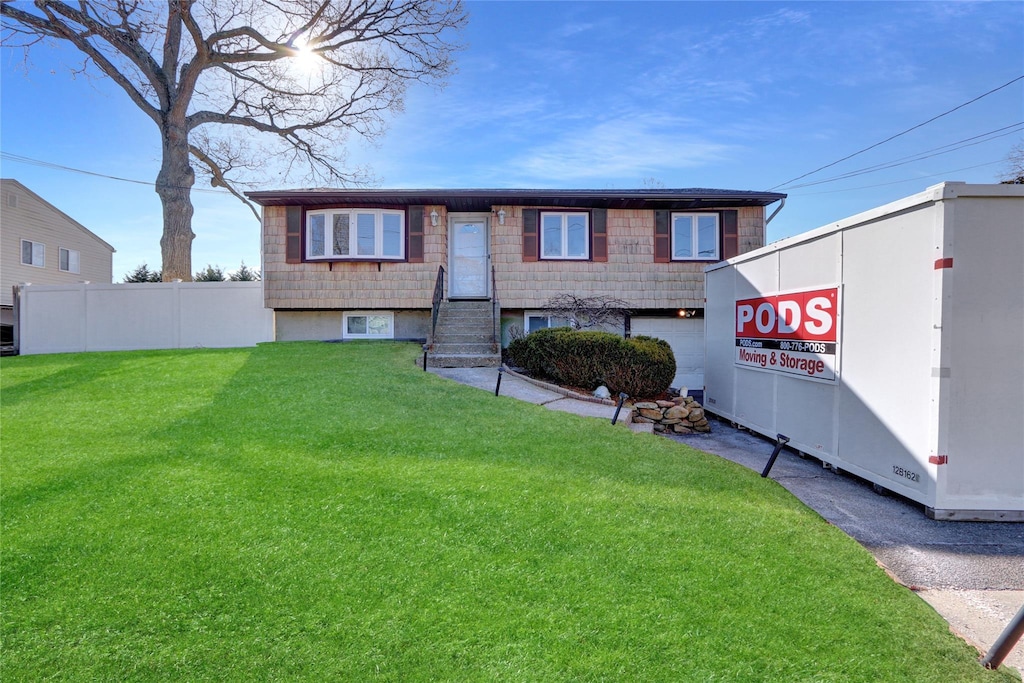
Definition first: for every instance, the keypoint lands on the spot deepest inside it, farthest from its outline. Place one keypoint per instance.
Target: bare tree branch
(196, 68)
(583, 312)
(218, 180)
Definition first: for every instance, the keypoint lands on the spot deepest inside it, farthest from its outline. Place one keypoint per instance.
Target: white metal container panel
(817, 264)
(719, 350)
(886, 390)
(755, 277)
(686, 337)
(809, 416)
(755, 400)
(983, 339)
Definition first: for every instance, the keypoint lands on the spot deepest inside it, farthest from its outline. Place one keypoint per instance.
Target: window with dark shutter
(531, 220)
(662, 237)
(599, 235)
(415, 223)
(293, 235)
(730, 234)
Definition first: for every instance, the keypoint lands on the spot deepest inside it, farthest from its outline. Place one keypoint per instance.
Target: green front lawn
(330, 512)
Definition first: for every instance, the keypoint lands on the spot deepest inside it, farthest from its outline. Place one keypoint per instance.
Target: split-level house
(460, 269)
(40, 244)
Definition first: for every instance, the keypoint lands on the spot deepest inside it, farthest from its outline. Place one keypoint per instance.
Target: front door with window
(469, 256)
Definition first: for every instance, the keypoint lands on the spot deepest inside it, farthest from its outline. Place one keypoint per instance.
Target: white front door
(467, 268)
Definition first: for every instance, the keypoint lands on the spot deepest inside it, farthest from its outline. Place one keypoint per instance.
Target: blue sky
(599, 95)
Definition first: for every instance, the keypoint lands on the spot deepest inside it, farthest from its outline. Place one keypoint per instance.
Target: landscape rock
(676, 413)
(682, 415)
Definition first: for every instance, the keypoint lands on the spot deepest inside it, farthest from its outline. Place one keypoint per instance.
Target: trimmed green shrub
(647, 369)
(641, 367)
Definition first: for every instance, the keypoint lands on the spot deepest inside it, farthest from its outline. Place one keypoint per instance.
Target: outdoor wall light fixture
(433, 218)
(683, 313)
(501, 217)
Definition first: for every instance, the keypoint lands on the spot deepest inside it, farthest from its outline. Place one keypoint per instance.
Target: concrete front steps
(464, 337)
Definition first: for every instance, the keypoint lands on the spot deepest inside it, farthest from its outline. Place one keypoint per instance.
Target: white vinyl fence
(125, 317)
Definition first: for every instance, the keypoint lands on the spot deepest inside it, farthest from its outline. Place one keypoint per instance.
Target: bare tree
(584, 312)
(295, 77)
(1014, 174)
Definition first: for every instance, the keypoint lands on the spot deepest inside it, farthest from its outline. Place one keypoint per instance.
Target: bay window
(359, 234)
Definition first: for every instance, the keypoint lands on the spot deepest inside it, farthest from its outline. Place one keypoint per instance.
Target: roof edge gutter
(782, 203)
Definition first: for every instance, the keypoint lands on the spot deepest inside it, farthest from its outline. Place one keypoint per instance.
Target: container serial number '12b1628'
(905, 473)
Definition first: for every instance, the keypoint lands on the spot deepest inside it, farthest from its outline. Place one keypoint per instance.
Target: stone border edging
(568, 393)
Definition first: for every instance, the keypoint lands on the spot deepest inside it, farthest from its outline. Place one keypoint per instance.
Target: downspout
(775, 212)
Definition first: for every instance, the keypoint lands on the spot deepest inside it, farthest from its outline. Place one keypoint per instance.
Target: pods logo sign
(808, 316)
(794, 333)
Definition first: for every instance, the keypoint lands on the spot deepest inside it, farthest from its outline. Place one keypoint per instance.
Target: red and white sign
(795, 333)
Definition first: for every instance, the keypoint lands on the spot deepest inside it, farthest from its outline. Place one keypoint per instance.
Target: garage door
(686, 337)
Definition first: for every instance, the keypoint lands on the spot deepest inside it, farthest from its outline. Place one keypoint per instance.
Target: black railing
(438, 298)
(495, 311)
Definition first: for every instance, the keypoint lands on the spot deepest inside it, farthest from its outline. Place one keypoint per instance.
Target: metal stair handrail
(436, 305)
(495, 311)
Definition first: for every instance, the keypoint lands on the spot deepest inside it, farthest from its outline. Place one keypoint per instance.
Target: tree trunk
(174, 185)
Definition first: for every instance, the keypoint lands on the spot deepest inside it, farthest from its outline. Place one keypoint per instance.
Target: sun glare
(306, 59)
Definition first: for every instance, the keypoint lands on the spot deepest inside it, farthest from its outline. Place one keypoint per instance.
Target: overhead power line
(7, 156)
(927, 154)
(897, 182)
(893, 137)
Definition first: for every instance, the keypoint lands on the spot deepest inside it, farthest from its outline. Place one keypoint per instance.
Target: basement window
(536, 320)
(366, 325)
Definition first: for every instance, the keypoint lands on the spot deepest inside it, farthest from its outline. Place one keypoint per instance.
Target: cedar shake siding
(622, 258)
(348, 285)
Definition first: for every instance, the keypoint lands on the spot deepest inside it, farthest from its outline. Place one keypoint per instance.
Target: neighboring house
(365, 264)
(42, 245)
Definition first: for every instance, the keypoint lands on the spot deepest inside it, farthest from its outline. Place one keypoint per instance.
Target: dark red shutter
(414, 223)
(531, 221)
(599, 235)
(730, 234)
(662, 237)
(293, 235)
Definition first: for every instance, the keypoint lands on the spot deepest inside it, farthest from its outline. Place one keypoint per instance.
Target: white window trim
(75, 267)
(565, 236)
(355, 314)
(694, 236)
(353, 254)
(42, 254)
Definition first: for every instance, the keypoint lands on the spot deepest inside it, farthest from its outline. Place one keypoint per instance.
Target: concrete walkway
(972, 573)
